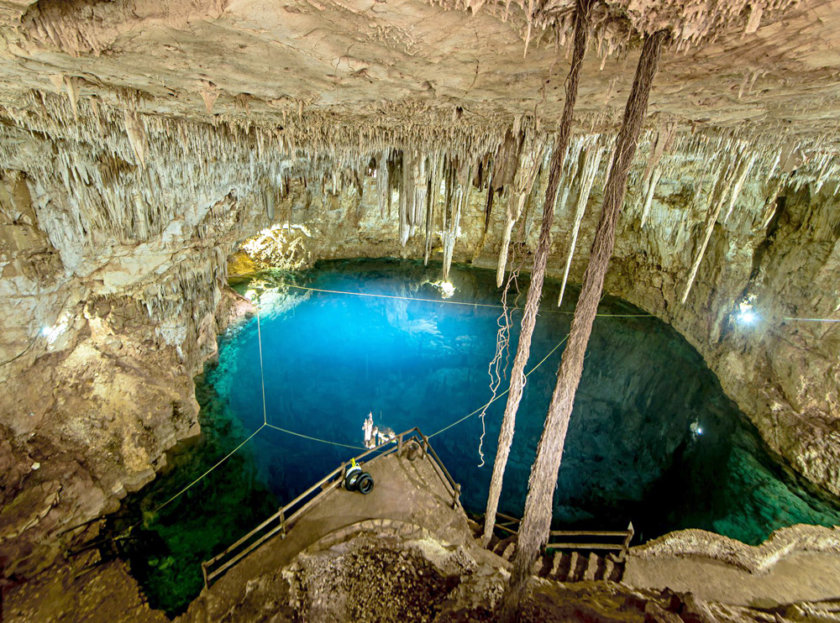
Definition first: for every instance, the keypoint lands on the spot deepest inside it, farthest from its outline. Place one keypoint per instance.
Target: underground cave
(588, 247)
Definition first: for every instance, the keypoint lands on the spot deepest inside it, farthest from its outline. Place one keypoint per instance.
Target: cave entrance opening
(634, 451)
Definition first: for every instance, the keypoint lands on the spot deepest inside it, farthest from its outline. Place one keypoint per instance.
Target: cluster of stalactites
(432, 190)
(616, 23)
(121, 173)
(720, 168)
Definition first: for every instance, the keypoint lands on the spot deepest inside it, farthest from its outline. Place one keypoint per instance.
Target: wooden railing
(620, 539)
(283, 519)
(506, 523)
(616, 540)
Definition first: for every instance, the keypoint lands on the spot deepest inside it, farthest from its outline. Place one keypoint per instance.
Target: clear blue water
(330, 359)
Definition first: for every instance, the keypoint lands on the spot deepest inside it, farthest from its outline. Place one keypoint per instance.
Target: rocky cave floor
(404, 554)
(371, 579)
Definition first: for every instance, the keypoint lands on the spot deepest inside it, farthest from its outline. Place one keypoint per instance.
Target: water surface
(653, 438)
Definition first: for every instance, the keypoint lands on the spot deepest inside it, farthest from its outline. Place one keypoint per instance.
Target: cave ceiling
(760, 69)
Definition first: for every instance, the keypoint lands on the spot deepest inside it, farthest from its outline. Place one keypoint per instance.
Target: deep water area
(653, 439)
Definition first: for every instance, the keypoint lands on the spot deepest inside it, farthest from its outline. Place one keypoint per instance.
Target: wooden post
(282, 524)
(627, 539)
(204, 573)
(456, 496)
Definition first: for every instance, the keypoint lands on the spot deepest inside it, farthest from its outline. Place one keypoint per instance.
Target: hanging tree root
(498, 364)
(536, 521)
(532, 303)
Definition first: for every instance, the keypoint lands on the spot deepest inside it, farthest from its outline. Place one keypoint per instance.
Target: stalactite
(716, 201)
(460, 175)
(525, 221)
(654, 180)
(383, 185)
(419, 185)
(432, 200)
(488, 210)
(513, 209)
(743, 171)
(526, 172)
(136, 136)
(407, 196)
(590, 169)
(73, 95)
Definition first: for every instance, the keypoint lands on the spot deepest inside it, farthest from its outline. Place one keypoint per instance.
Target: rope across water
(442, 301)
(266, 424)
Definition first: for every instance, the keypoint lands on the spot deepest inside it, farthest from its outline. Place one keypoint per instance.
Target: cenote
(653, 438)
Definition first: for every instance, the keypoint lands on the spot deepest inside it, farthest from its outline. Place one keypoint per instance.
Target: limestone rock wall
(117, 222)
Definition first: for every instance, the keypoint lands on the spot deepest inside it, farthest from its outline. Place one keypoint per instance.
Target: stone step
(497, 545)
(616, 574)
(609, 568)
(556, 563)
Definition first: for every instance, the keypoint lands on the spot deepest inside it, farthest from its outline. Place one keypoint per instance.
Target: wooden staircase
(571, 562)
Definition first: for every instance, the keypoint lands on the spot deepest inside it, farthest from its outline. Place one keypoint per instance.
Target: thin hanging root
(497, 365)
(587, 177)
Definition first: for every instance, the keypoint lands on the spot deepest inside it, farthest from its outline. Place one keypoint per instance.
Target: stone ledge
(751, 558)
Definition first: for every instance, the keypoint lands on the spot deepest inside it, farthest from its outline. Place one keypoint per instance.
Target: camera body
(357, 480)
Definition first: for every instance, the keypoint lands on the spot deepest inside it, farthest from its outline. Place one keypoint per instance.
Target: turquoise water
(634, 449)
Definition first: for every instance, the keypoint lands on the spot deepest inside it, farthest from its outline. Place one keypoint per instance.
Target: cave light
(51, 333)
(746, 314)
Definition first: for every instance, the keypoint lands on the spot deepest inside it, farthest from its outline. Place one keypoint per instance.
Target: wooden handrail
(286, 515)
(624, 546)
(615, 546)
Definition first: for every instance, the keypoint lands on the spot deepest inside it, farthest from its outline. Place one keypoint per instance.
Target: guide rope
(266, 424)
(262, 375)
(504, 393)
(205, 474)
(311, 438)
(337, 443)
(442, 301)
